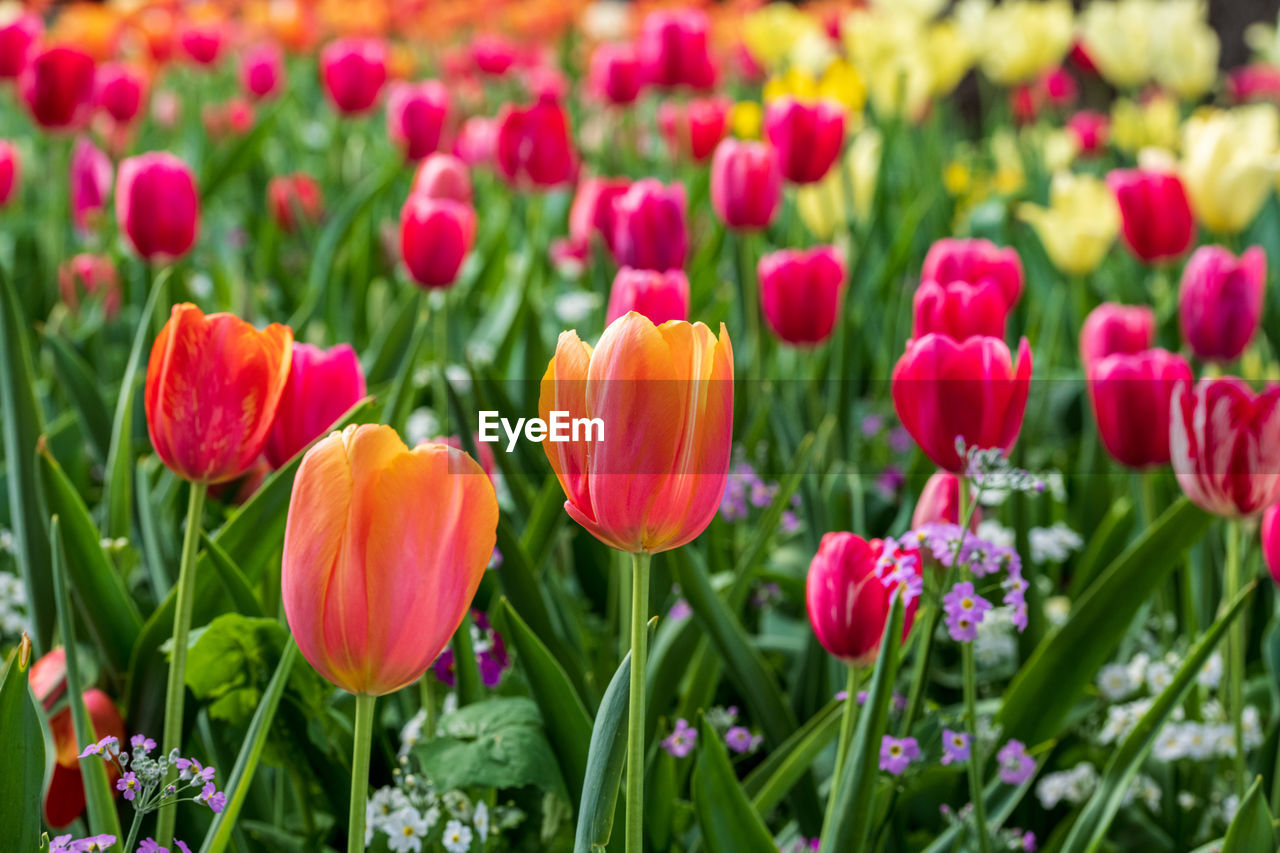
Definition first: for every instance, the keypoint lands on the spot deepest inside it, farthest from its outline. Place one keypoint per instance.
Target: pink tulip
(533, 147)
(121, 91)
(801, 292)
(650, 229)
(660, 296)
(974, 260)
(1113, 328)
(203, 41)
(435, 237)
(1271, 542)
(441, 175)
(674, 49)
(477, 141)
(262, 71)
(848, 604)
(57, 88)
(92, 277)
(416, 116)
(1131, 395)
(746, 184)
(808, 137)
(10, 171)
(353, 71)
(1089, 130)
(91, 174)
(693, 129)
(19, 37)
(1158, 225)
(960, 309)
(1220, 301)
(157, 205)
(322, 385)
(939, 503)
(615, 73)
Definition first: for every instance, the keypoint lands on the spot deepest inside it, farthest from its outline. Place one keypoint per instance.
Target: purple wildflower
(1016, 765)
(142, 742)
(680, 742)
(182, 847)
(213, 798)
(790, 522)
(872, 424)
(680, 610)
(92, 844)
(955, 746)
(128, 783)
(900, 440)
(149, 845)
(964, 609)
(109, 744)
(897, 753)
(740, 740)
(1029, 841)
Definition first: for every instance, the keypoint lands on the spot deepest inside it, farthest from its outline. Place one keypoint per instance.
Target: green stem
(635, 716)
(465, 669)
(440, 345)
(920, 672)
(360, 772)
(176, 693)
(749, 297)
(133, 831)
(848, 719)
(1235, 656)
(975, 748)
(427, 696)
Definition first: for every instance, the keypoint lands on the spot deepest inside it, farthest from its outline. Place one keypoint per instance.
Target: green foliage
(495, 743)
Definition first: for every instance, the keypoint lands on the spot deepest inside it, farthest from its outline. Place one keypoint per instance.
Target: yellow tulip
(771, 33)
(746, 118)
(1229, 161)
(949, 55)
(921, 10)
(1186, 56)
(823, 206)
(1153, 124)
(1079, 225)
(798, 83)
(1118, 38)
(1019, 39)
(840, 82)
(887, 49)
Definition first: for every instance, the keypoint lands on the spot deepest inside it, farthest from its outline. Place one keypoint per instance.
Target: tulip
(1020, 39)
(1220, 301)
(592, 212)
(800, 293)
(615, 73)
(91, 175)
(353, 71)
(650, 229)
(10, 171)
(442, 175)
(322, 386)
(262, 71)
(939, 503)
(435, 237)
(746, 184)
(93, 275)
(120, 91)
(157, 205)
(808, 137)
(477, 141)
(492, 54)
(944, 390)
(674, 51)
(660, 296)
(1131, 395)
(416, 116)
(533, 146)
(57, 87)
(1079, 225)
(960, 309)
(848, 603)
(1089, 130)
(1112, 328)
(1155, 212)
(975, 261)
(231, 119)
(1225, 445)
(294, 198)
(19, 38)
(203, 41)
(483, 450)
(1271, 542)
(1229, 163)
(693, 129)
(1257, 82)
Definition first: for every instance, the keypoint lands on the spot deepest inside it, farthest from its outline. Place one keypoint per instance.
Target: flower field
(548, 425)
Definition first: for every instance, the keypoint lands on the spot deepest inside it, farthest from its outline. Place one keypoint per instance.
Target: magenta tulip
(1220, 301)
(746, 184)
(674, 49)
(322, 385)
(1131, 395)
(974, 260)
(442, 175)
(650, 229)
(19, 38)
(262, 71)
(800, 293)
(615, 73)
(848, 603)
(158, 205)
(1112, 328)
(808, 137)
(435, 237)
(1158, 225)
(533, 147)
(91, 174)
(10, 171)
(960, 309)
(660, 296)
(121, 90)
(416, 115)
(354, 71)
(57, 88)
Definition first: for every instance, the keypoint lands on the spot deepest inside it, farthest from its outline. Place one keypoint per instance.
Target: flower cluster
(992, 473)
(143, 777)
(413, 817)
(490, 650)
(744, 489)
(951, 546)
(91, 844)
(1010, 839)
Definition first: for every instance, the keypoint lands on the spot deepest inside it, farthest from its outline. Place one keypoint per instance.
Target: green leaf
(83, 389)
(728, 821)
(1104, 545)
(768, 783)
(566, 717)
(1090, 829)
(605, 759)
(234, 159)
(22, 735)
(1251, 829)
(237, 585)
(848, 822)
(1001, 800)
(229, 661)
(1044, 691)
(495, 743)
(104, 600)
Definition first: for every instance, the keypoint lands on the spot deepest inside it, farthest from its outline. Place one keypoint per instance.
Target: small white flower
(1186, 800)
(996, 533)
(457, 837)
(1199, 741)
(481, 821)
(1229, 807)
(1170, 745)
(1114, 683)
(576, 307)
(1210, 674)
(1252, 727)
(1053, 544)
(412, 732)
(406, 830)
(1159, 676)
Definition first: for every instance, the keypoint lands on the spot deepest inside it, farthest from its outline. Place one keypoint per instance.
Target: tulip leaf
(22, 736)
(1042, 694)
(728, 822)
(769, 782)
(660, 799)
(1252, 827)
(1090, 829)
(494, 743)
(1001, 800)
(1105, 545)
(237, 585)
(234, 158)
(82, 387)
(606, 757)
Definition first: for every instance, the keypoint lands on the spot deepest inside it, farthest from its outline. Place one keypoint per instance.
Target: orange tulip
(665, 397)
(213, 385)
(383, 553)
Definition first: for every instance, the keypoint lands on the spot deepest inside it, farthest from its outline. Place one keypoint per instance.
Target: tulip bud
(746, 184)
(848, 604)
(322, 386)
(213, 385)
(939, 503)
(416, 117)
(1131, 395)
(533, 147)
(674, 49)
(93, 275)
(492, 54)
(477, 141)
(1220, 301)
(808, 137)
(19, 37)
(435, 237)
(121, 89)
(1089, 130)
(57, 87)
(660, 296)
(91, 175)
(353, 71)
(975, 261)
(1271, 542)
(203, 41)
(615, 73)
(1112, 328)
(262, 71)
(653, 479)
(944, 389)
(960, 309)
(800, 293)
(442, 175)
(10, 171)
(373, 587)
(650, 229)
(1224, 441)
(693, 129)
(157, 205)
(1154, 212)
(294, 198)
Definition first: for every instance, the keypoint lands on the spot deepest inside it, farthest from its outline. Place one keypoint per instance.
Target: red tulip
(1089, 129)
(1271, 541)
(435, 237)
(203, 41)
(93, 275)
(1225, 445)
(1113, 328)
(1131, 395)
(808, 137)
(416, 116)
(615, 73)
(939, 503)
(1220, 301)
(746, 184)
(693, 129)
(262, 71)
(1059, 87)
(477, 141)
(19, 38)
(848, 603)
(1158, 225)
(974, 260)
(443, 175)
(650, 230)
(294, 198)
(674, 49)
(213, 385)
(493, 54)
(353, 71)
(960, 309)
(660, 296)
(91, 175)
(57, 87)
(10, 171)
(121, 90)
(944, 389)
(322, 386)
(157, 205)
(800, 293)
(533, 147)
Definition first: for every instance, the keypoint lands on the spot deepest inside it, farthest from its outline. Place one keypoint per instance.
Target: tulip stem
(176, 692)
(848, 718)
(1235, 656)
(635, 716)
(427, 694)
(360, 771)
(976, 760)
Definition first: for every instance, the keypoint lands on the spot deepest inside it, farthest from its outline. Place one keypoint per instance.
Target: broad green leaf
(82, 387)
(1251, 829)
(1049, 684)
(236, 584)
(496, 743)
(23, 737)
(605, 759)
(728, 822)
(1105, 545)
(768, 783)
(230, 660)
